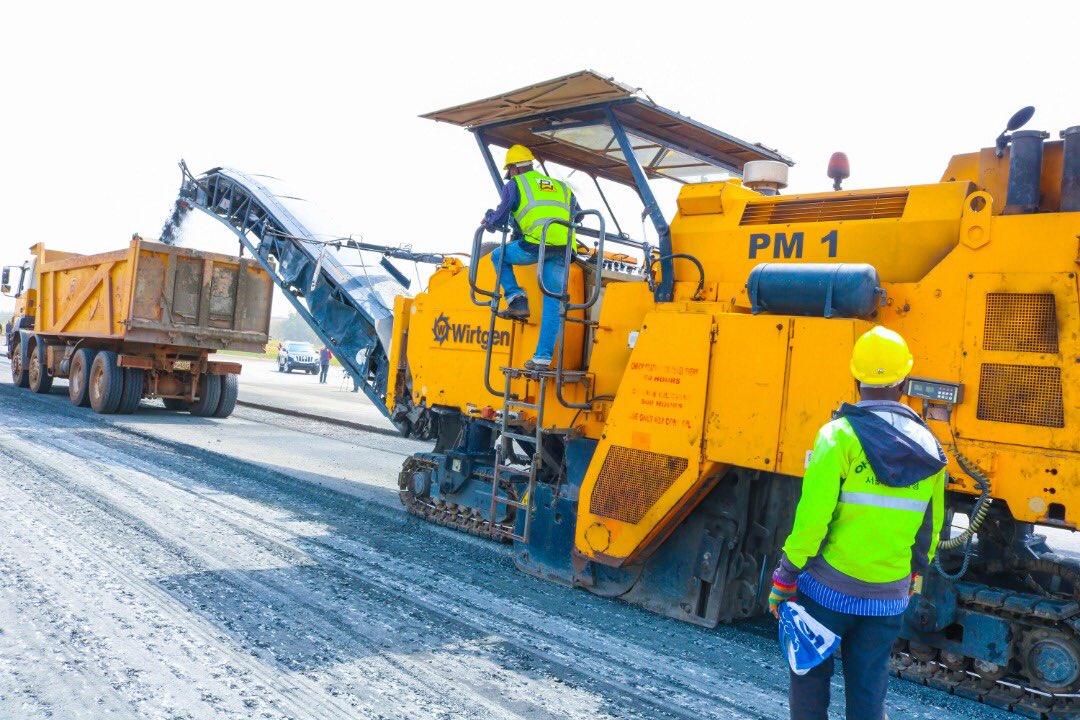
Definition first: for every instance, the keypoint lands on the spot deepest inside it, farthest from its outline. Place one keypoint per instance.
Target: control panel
(938, 391)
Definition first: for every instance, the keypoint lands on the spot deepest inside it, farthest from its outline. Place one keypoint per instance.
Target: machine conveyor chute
(350, 311)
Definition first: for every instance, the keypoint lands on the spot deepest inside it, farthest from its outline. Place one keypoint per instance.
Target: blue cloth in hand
(805, 642)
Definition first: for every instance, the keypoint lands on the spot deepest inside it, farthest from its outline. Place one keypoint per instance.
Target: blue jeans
(865, 645)
(520, 252)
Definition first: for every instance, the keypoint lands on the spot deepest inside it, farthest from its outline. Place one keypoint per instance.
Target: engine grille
(1021, 322)
(631, 481)
(865, 207)
(1021, 394)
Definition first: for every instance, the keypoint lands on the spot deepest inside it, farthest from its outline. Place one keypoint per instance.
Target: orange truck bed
(157, 294)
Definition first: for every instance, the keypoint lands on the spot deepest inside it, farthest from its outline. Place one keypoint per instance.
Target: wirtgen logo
(444, 330)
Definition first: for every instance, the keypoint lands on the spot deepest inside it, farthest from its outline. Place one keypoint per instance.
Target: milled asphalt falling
(160, 565)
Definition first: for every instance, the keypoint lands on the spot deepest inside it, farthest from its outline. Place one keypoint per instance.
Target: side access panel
(646, 474)
(775, 381)
(746, 395)
(818, 380)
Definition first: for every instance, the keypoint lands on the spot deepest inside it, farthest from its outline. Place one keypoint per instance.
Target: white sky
(100, 100)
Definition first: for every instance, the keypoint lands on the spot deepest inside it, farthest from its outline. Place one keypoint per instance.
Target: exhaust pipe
(1070, 170)
(1025, 171)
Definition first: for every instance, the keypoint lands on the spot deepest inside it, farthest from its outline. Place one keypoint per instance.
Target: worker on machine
(533, 200)
(867, 523)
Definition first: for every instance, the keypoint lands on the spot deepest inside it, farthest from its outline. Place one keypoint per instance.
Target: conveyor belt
(351, 312)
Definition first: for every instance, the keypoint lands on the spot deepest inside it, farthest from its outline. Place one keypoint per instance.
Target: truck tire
(174, 403)
(230, 390)
(106, 383)
(132, 392)
(79, 377)
(209, 396)
(20, 375)
(38, 367)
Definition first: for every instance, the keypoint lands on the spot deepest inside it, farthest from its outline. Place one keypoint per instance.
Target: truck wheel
(174, 403)
(38, 369)
(19, 374)
(79, 377)
(106, 383)
(209, 396)
(132, 393)
(230, 390)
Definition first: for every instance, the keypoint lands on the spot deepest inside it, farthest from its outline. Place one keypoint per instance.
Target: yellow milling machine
(659, 461)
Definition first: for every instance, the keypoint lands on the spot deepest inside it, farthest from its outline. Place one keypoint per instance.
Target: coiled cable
(982, 505)
(978, 515)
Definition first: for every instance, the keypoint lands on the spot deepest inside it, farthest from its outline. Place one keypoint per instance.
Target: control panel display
(935, 390)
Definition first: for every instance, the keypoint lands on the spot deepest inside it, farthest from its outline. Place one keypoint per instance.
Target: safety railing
(565, 306)
(494, 296)
(474, 268)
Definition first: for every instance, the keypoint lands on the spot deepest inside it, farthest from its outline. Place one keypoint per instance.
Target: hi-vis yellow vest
(542, 199)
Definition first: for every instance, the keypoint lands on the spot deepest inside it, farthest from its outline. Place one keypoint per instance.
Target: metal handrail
(572, 227)
(474, 267)
(564, 297)
(495, 296)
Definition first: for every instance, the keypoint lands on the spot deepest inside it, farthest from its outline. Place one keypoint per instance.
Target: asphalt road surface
(261, 383)
(165, 566)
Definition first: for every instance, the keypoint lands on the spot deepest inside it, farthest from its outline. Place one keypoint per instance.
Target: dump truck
(659, 461)
(142, 322)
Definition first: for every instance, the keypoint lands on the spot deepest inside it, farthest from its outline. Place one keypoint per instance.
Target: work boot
(516, 309)
(536, 365)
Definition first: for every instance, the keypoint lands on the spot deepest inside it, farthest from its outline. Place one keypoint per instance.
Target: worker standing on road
(532, 200)
(324, 364)
(868, 521)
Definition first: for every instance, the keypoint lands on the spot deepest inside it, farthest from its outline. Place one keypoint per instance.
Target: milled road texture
(142, 575)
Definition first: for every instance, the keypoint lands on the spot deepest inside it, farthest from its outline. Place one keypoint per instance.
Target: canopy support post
(488, 159)
(664, 290)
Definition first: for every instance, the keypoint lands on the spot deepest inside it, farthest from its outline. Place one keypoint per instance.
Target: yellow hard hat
(881, 357)
(517, 154)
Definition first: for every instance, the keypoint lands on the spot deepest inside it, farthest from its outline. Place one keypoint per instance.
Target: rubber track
(1011, 693)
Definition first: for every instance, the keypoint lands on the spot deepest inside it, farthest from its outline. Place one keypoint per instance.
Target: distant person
(532, 200)
(868, 521)
(324, 364)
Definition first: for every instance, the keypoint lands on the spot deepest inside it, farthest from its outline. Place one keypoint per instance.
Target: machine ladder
(506, 476)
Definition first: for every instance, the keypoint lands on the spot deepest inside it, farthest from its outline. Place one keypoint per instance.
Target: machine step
(504, 469)
(520, 436)
(569, 377)
(510, 503)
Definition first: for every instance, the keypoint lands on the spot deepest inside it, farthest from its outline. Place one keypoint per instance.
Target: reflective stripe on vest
(884, 501)
(542, 199)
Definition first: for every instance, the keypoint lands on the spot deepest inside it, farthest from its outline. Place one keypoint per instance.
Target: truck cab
(22, 290)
